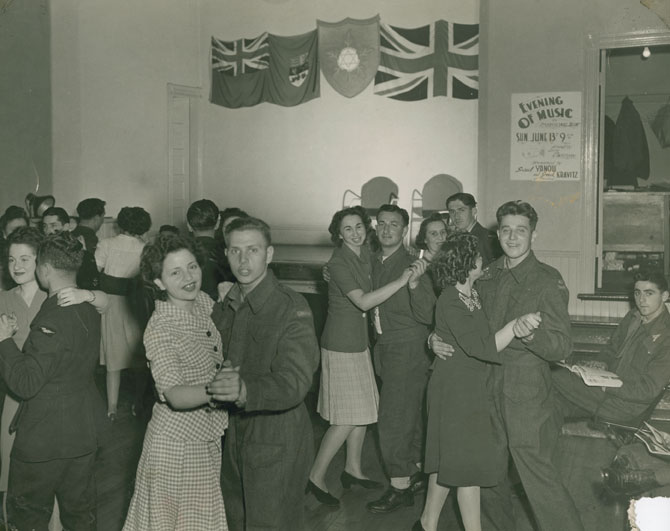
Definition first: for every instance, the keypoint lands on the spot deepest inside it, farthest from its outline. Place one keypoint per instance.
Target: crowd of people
(448, 347)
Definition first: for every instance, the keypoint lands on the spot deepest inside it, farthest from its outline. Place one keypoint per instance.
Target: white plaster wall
(111, 62)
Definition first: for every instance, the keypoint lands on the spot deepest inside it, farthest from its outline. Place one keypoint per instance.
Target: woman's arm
(70, 296)
(368, 300)
(186, 396)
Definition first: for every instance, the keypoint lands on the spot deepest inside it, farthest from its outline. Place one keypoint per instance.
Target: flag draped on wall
(440, 59)
(349, 53)
(432, 60)
(238, 71)
(269, 68)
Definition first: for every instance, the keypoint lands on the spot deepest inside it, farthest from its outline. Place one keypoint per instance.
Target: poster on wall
(546, 136)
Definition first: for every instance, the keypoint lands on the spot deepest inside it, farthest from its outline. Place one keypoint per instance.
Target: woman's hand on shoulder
(72, 296)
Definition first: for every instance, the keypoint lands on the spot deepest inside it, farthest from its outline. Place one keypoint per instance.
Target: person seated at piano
(638, 353)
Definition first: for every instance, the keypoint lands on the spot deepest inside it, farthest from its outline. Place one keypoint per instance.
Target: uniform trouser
(403, 369)
(264, 471)
(32, 487)
(525, 405)
(592, 400)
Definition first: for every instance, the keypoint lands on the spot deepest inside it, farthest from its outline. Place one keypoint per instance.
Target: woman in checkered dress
(178, 476)
(348, 397)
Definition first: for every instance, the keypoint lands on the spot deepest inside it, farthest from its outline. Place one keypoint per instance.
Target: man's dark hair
(91, 207)
(232, 212)
(59, 212)
(334, 227)
(655, 276)
(518, 208)
(420, 241)
(134, 220)
(455, 259)
(396, 210)
(169, 229)
(13, 212)
(249, 223)
(202, 215)
(467, 199)
(153, 256)
(62, 251)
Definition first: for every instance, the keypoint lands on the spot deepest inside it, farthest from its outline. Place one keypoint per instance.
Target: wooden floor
(582, 459)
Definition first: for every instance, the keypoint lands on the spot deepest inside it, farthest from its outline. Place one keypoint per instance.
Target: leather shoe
(326, 498)
(418, 482)
(348, 480)
(391, 500)
(628, 482)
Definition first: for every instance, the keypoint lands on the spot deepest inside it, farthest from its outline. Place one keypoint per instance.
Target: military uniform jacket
(523, 383)
(268, 447)
(54, 375)
(487, 243)
(640, 355)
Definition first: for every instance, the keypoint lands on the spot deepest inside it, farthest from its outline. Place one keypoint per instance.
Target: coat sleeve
(293, 366)
(552, 341)
(452, 314)
(422, 300)
(644, 386)
(25, 373)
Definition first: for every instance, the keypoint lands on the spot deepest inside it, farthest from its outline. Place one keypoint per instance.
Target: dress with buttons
(178, 484)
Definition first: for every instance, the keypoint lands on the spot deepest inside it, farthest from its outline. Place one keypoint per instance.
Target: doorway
(184, 151)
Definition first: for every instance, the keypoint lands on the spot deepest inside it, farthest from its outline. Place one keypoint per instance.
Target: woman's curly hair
(134, 220)
(334, 227)
(455, 259)
(154, 254)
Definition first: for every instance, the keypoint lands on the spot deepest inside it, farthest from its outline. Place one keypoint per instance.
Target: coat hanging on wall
(631, 151)
(661, 125)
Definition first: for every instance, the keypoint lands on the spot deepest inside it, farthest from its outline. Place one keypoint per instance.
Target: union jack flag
(242, 56)
(432, 60)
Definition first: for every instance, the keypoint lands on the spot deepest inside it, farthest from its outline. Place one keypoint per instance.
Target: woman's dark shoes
(326, 498)
(348, 480)
(391, 500)
(418, 526)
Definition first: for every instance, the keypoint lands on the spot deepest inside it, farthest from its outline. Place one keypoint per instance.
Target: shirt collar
(201, 307)
(519, 272)
(363, 257)
(472, 226)
(659, 325)
(257, 297)
(400, 251)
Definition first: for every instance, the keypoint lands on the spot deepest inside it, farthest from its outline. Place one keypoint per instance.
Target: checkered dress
(178, 484)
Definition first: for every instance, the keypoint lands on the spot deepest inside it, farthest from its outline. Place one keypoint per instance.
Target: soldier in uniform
(55, 444)
(638, 352)
(462, 209)
(271, 354)
(402, 362)
(514, 285)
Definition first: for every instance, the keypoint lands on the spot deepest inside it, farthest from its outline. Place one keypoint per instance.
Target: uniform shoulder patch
(47, 331)
(561, 284)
